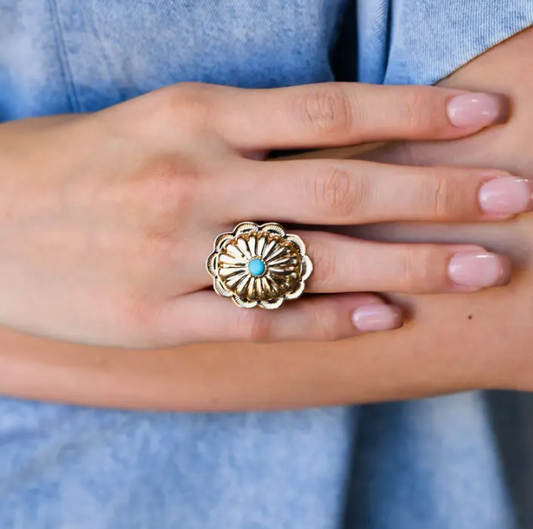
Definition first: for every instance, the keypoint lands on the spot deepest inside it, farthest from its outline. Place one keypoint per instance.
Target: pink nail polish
(479, 269)
(505, 196)
(371, 318)
(476, 110)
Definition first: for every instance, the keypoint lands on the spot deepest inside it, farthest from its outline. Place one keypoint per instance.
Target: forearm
(235, 377)
(451, 343)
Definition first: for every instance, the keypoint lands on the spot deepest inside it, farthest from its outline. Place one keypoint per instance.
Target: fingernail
(479, 269)
(505, 196)
(371, 318)
(477, 110)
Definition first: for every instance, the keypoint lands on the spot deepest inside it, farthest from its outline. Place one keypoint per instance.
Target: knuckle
(323, 317)
(325, 321)
(159, 247)
(421, 269)
(438, 195)
(159, 205)
(326, 110)
(338, 193)
(325, 265)
(139, 319)
(419, 111)
(184, 105)
(170, 188)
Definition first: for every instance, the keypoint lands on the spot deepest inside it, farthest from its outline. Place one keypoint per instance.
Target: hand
(107, 218)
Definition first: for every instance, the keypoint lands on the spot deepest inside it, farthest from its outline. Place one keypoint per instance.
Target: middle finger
(336, 192)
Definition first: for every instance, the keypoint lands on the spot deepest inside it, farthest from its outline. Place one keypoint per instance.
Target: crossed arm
(451, 343)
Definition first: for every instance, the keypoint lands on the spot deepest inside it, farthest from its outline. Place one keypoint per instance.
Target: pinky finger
(206, 317)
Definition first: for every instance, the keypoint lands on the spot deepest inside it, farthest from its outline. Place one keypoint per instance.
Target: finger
(344, 264)
(317, 318)
(355, 192)
(335, 114)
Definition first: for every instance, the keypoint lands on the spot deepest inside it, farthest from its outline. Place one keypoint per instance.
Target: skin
(451, 343)
(106, 219)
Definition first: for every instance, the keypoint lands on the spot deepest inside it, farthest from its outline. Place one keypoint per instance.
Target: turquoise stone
(256, 267)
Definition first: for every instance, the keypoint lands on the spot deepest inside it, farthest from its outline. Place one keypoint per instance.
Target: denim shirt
(421, 464)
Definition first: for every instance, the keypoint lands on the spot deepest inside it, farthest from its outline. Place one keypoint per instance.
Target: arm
(453, 343)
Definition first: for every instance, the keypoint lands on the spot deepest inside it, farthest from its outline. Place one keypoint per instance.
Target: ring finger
(345, 264)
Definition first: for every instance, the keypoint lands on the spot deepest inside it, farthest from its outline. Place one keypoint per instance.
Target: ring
(259, 265)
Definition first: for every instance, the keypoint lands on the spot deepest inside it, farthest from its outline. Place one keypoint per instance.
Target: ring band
(259, 265)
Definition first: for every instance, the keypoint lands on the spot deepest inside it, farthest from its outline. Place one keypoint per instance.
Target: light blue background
(426, 464)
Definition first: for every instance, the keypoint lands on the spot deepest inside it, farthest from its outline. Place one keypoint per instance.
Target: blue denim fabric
(426, 464)
(423, 41)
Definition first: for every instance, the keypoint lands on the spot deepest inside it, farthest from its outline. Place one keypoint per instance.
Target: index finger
(337, 114)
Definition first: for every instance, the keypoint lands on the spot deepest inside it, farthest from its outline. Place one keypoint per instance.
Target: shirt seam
(66, 71)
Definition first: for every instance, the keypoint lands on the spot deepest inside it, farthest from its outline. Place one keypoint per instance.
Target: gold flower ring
(259, 266)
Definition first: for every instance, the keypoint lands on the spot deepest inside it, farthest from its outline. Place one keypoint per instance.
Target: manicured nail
(505, 196)
(477, 110)
(371, 318)
(479, 269)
